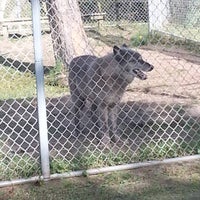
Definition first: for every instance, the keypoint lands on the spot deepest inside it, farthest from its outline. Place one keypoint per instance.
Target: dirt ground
(175, 77)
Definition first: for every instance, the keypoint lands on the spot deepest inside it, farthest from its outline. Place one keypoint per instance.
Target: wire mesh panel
(19, 135)
(104, 117)
(16, 9)
(178, 18)
(19, 145)
(107, 103)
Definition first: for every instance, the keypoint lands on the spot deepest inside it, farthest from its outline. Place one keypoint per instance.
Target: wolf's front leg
(78, 104)
(102, 113)
(112, 119)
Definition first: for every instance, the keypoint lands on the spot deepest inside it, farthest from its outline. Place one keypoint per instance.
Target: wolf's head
(131, 62)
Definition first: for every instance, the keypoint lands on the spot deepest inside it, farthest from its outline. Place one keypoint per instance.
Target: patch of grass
(18, 85)
(87, 161)
(14, 166)
(179, 181)
(17, 166)
(139, 39)
(169, 148)
(169, 142)
(121, 31)
(54, 77)
(159, 150)
(59, 166)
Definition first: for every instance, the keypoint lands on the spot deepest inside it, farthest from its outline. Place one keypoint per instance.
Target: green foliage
(139, 39)
(52, 78)
(59, 166)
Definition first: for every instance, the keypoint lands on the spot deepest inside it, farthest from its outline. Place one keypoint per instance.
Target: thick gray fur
(102, 81)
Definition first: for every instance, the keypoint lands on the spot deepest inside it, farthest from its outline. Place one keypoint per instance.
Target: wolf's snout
(151, 67)
(143, 77)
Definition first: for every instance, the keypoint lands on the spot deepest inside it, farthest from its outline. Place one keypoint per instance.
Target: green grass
(52, 78)
(17, 166)
(179, 181)
(23, 166)
(89, 160)
(166, 149)
(147, 151)
(17, 85)
(139, 39)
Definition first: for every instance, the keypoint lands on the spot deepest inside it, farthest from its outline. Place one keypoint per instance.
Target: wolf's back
(80, 64)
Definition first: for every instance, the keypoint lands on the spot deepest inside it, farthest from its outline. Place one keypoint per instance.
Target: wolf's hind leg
(103, 125)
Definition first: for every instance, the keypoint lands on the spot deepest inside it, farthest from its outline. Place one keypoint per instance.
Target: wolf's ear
(116, 50)
(124, 45)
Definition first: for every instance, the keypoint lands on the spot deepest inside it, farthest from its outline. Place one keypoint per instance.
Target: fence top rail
(24, 19)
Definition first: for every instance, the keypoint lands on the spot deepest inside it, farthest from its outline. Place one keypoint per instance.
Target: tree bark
(67, 31)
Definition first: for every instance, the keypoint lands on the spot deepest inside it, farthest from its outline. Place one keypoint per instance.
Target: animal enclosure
(157, 118)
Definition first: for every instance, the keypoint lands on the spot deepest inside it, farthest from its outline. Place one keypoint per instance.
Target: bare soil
(176, 76)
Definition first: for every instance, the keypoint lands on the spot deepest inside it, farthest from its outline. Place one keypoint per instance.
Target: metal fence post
(43, 134)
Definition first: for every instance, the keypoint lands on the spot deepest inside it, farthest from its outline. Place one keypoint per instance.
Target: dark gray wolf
(102, 81)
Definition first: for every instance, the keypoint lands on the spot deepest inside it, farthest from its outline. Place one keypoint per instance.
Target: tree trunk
(67, 31)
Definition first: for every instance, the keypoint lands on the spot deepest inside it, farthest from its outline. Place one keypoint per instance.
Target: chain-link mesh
(97, 115)
(19, 145)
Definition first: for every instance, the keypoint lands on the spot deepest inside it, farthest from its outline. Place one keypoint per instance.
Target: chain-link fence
(97, 115)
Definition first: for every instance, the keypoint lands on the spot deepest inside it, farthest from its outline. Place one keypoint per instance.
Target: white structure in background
(2, 8)
(18, 9)
(159, 14)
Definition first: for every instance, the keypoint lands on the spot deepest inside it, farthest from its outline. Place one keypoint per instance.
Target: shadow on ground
(139, 124)
(109, 40)
(20, 66)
